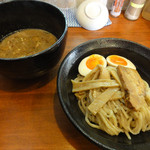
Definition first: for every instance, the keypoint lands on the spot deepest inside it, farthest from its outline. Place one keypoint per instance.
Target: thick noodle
(105, 107)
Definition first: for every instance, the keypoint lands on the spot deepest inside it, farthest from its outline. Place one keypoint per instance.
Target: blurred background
(109, 2)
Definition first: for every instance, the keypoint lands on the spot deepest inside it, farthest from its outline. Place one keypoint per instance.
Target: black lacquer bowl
(24, 14)
(138, 54)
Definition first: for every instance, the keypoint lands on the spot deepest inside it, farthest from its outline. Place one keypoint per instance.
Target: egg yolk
(118, 60)
(93, 61)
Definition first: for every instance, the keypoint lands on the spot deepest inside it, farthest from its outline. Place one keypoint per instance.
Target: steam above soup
(26, 42)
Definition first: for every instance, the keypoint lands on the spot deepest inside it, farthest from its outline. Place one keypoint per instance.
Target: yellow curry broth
(26, 42)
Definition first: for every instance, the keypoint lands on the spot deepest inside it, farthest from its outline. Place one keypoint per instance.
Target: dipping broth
(26, 42)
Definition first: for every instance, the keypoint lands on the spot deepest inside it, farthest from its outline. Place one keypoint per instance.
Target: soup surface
(26, 42)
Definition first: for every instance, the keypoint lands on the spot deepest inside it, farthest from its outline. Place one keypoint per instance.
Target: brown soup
(26, 42)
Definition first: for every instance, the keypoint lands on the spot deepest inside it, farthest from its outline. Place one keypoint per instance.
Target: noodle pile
(105, 103)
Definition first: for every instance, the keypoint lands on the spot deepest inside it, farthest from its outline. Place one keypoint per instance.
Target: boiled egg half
(90, 62)
(115, 60)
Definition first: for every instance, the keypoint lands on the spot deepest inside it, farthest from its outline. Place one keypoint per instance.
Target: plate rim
(59, 91)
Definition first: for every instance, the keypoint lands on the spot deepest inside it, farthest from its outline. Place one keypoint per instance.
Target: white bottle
(116, 8)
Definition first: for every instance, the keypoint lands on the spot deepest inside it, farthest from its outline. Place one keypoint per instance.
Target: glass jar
(146, 11)
(134, 9)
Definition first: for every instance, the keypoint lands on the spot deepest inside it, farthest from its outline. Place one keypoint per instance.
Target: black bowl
(24, 14)
(68, 70)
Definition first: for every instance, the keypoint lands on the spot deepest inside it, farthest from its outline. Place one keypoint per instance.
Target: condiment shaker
(116, 8)
(134, 9)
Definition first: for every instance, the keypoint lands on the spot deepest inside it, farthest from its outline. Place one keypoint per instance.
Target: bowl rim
(52, 46)
(105, 38)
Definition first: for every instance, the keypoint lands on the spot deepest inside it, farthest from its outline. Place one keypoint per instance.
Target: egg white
(84, 70)
(129, 63)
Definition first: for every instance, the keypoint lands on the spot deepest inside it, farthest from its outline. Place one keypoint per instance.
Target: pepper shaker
(134, 9)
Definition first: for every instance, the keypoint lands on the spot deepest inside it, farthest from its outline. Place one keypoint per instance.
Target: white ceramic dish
(92, 14)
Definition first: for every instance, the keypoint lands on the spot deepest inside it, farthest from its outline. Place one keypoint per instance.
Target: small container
(134, 9)
(146, 11)
(116, 8)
